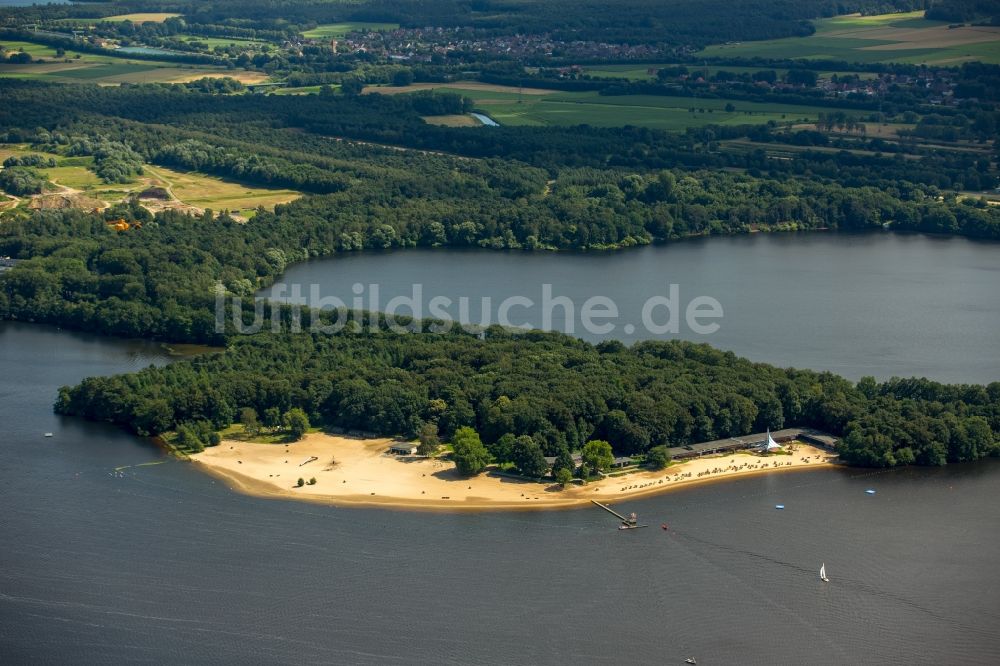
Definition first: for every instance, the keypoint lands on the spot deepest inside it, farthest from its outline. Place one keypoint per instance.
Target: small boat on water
(48, 434)
(690, 660)
(822, 573)
(779, 506)
(870, 491)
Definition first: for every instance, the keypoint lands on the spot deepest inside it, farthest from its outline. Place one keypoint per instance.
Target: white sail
(822, 573)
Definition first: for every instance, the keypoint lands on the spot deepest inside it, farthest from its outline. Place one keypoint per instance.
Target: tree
(470, 456)
(301, 482)
(272, 417)
(528, 457)
(296, 422)
(502, 450)
(564, 477)
(402, 78)
(248, 417)
(597, 455)
(658, 457)
(352, 87)
(429, 440)
(564, 460)
(154, 417)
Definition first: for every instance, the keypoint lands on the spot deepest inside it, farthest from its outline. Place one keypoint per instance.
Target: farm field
(540, 108)
(645, 71)
(140, 17)
(906, 37)
(102, 69)
(636, 72)
(304, 90)
(457, 120)
(212, 42)
(338, 30)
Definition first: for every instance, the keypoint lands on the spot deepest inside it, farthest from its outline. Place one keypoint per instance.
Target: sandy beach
(360, 472)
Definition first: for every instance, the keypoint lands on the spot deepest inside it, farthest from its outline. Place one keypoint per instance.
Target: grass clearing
(338, 30)
(193, 191)
(905, 37)
(203, 191)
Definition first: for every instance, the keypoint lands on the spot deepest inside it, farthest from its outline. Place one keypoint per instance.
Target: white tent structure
(769, 444)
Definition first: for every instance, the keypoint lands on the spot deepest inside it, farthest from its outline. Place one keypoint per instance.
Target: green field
(141, 17)
(509, 107)
(212, 42)
(905, 38)
(669, 113)
(338, 30)
(76, 67)
(304, 90)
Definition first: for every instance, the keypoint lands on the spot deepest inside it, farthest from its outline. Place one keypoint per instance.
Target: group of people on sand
(733, 467)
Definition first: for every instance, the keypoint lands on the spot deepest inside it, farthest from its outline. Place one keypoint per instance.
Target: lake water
(485, 120)
(162, 564)
(877, 304)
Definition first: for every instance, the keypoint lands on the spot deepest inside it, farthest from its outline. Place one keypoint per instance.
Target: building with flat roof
(808, 435)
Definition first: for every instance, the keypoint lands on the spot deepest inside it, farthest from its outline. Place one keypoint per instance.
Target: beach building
(621, 461)
(577, 460)
(755, 441)
(403, 449)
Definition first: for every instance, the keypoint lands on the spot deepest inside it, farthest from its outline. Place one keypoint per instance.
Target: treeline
(114, 161)
(558, 391)
(21, 181)
(962, 10)
(199, 156)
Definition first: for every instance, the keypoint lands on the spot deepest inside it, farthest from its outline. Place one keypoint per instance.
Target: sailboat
(822, 573)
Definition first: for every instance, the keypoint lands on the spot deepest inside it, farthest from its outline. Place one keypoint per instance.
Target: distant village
(435, 44)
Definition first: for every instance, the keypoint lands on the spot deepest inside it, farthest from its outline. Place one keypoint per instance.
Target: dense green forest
(559, 391)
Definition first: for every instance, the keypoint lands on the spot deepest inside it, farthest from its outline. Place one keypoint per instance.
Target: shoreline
(360, 474)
